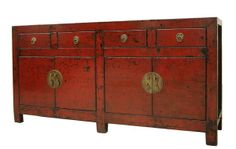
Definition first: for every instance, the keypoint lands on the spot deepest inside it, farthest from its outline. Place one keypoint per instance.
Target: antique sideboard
(156, 73)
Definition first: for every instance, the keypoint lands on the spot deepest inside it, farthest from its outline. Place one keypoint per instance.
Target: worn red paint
(43, 41)
(78, 86)
(86, 39)
(102, 75)
(134, 38)
(192, 37)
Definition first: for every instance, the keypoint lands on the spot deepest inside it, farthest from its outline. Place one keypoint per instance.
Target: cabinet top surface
(122, 25)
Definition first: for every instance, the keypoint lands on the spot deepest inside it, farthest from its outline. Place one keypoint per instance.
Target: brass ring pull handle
(33, 40)
(54, 79)
(76, 40)
(152, 82)
(123, 38)
(179, 37)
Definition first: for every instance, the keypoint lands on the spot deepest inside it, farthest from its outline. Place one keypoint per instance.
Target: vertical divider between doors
(100, 93)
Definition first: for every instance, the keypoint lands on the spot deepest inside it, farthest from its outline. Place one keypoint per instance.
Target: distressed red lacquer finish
(154, 73)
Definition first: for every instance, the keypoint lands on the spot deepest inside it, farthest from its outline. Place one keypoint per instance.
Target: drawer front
(125, 38)
(34, 89)
(183, 91)
(82, 39)
(78, 86)
(181, 37)
(123, 89)
(34, 41)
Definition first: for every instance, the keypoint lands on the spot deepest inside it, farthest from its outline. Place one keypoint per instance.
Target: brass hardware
(54, 79)
(152, 82)
(76, 40)
(33, 40)
(123, 38)
(179, 37)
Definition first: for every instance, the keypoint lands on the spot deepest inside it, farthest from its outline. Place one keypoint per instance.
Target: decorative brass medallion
(123, 38)
(54, 79)
(179, 37)
(33, 40)
(76, 40)
(152, 82)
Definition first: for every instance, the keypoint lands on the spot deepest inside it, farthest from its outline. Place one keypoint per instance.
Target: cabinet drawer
(181, 37)
(34, 41)
(123, 38)
(83, 39)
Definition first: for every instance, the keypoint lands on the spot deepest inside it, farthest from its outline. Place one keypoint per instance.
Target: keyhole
(156, 83)
(149, 83)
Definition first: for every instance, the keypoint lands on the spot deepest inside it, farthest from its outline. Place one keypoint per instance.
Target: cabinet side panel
(18, 117)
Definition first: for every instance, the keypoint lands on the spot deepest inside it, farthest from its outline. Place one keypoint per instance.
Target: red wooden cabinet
(156, 73)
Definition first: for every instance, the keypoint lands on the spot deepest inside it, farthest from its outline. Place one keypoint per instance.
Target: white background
(40, 133)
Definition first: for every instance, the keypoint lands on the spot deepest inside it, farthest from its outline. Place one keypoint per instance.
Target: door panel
(183, 92)
(123, 86)
(34, 89)
(78, 87)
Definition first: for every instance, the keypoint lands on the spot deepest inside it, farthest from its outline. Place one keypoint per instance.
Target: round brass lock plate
(33, 40)
(123, 38)
(76, 40)
(54, 79)
(152, 82)
(179, 37)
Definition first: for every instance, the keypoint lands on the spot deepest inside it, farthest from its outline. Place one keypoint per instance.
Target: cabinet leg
(220, 124)
(19, 118)
(211, 136)
(102, 127)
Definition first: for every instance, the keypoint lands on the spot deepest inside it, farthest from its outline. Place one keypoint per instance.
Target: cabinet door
(34, 89)
(77, 90)
(123, 86)
(183, 92)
